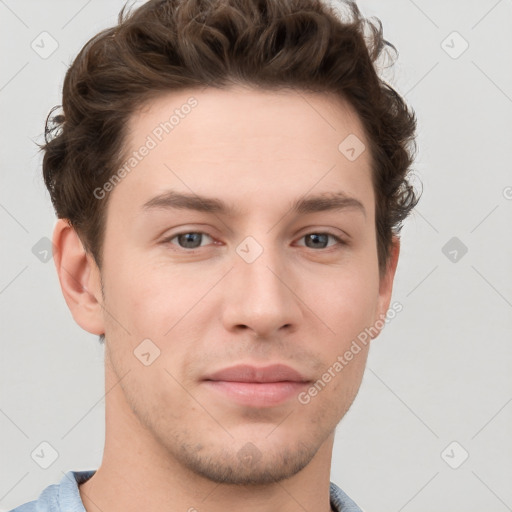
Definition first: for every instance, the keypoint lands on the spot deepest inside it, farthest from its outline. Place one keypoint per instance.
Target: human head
(259, 143)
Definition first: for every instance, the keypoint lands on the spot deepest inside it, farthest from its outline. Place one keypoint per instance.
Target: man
(230, 179)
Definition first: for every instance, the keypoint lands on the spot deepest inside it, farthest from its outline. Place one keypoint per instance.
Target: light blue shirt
(65, 496)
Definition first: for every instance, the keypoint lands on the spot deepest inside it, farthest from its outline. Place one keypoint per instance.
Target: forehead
(243, 143)
(244, 113)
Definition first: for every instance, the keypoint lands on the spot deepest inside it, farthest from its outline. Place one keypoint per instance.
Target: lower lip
(257, 394)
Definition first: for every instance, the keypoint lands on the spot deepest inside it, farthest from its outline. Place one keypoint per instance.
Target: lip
(257, 386)
(255, 374)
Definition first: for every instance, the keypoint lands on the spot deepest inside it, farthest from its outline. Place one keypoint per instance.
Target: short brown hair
(168, 45)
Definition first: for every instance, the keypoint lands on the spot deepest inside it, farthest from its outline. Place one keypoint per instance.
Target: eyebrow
(333, 201)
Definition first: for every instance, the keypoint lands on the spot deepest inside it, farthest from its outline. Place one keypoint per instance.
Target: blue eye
(194, 240)
(190, 240)
(320, 240)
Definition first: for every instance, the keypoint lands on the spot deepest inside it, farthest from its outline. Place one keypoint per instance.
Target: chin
(247, 466)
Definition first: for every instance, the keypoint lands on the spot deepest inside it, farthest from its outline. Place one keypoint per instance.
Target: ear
(79, 278)
(386, 283)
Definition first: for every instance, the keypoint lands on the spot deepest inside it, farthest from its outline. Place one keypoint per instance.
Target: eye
(189, 240)
(194, 240)
(320, 240)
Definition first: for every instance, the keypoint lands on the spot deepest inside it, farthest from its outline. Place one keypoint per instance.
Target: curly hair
(169, 45)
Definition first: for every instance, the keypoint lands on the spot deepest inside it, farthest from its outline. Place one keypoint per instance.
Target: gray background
(440, 372)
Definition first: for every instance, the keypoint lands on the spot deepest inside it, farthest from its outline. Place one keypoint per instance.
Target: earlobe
(79, 278)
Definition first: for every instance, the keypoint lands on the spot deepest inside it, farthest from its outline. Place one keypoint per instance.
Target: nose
(260, 296)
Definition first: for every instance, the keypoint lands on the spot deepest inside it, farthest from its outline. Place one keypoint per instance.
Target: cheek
(148, 299)
(347, 303)
(162, 305)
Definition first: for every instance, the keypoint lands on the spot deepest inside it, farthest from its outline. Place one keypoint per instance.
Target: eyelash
(340, 241)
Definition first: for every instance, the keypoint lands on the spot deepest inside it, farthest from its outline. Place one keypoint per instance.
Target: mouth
(257, 386)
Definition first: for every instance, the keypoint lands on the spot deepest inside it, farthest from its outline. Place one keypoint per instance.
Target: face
(248, 296)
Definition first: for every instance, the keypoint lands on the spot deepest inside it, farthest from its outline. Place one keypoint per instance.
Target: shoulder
(340, 501)
(61, 497)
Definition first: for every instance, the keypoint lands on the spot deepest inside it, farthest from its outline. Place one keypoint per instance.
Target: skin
(172, 443)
